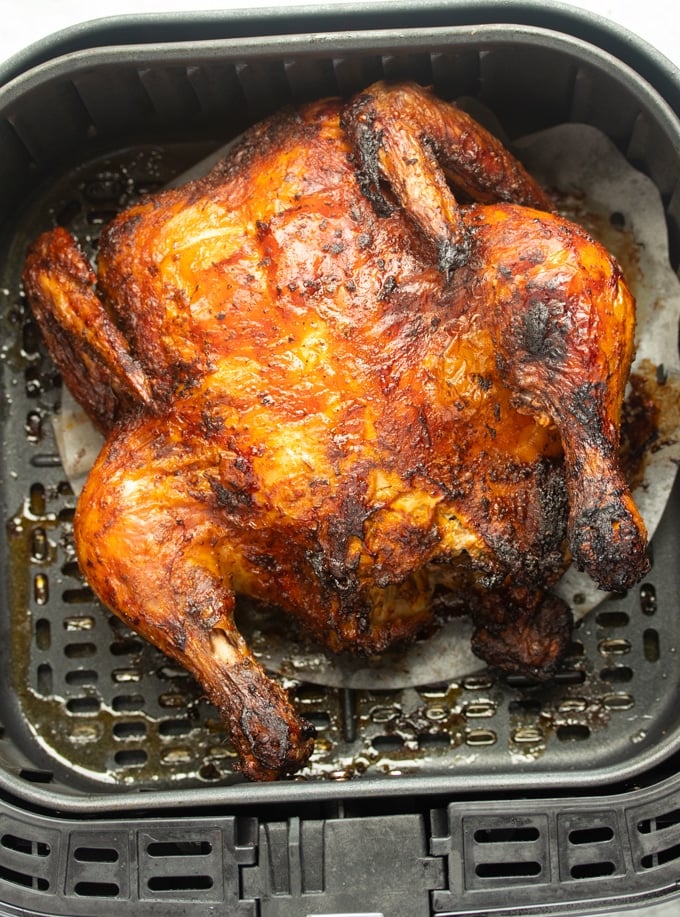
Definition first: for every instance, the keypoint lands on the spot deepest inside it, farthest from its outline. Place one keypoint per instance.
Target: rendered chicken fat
(329, 385)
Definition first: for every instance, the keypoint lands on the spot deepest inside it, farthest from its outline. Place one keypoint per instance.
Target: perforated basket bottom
(96, 706)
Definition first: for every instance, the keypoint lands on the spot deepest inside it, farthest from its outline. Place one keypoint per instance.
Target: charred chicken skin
(360, 371)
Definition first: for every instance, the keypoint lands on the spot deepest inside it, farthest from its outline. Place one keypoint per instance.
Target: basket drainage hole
(179, 883)
(648, 602)
(129, 730)
(22, 878)
(573, 732)
(650, 860)
(511, 870)
(37, 501)
(128, 646)
(83, 705)
(179, 848)
(79, 622)
(133, 757)
(35, 776)
(650, 644)
(43, 635)
(96, 889)
(570, 677)
(667, 820)
(386, 743)
(96, 855)
(576, 648)
(125, 703)
(506, 835)
(45, 680)
(71, 568)
(592, 870)
(79, 650)
(319, 719)
(612, 619)
(619, 674)
(24, 845)
(175, 727)
(596, 835)
(81, 677)
(434, 740)
(81, 596)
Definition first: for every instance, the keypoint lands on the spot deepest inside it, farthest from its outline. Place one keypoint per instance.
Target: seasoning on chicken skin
(329, 385)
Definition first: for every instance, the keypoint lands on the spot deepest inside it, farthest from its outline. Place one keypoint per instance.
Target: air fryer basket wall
(91, 717)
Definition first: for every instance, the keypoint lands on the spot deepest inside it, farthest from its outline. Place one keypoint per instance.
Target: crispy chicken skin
(330, 385)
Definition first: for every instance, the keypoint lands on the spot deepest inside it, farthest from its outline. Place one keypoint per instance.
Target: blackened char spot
(334, 248)
(367, 140)
(329, 560)
(228, 497)
(586, 403)
(211, 424)
(264, 561)
(608, 544)
(331, 573)
(535, 322)
(484, 382)
(176, 635)
(585, 406)
(388, 287)
(453, 255)
(544, 329)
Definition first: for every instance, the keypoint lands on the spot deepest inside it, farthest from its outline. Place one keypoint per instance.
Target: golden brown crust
(344, 407)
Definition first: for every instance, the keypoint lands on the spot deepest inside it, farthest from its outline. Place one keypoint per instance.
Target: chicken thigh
(362, 372)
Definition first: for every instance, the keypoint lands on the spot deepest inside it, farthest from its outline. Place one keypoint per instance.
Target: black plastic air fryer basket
(478, 795)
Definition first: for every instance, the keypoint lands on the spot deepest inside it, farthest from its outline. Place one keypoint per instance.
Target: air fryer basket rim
(57, 55)
(279, 47)
(276, 45)
(150, 28)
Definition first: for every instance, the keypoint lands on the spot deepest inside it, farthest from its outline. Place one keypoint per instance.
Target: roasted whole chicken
(361, 371)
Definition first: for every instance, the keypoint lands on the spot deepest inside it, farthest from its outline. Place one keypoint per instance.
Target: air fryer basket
(109, 755)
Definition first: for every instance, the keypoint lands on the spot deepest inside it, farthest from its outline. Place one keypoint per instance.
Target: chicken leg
(150, 542)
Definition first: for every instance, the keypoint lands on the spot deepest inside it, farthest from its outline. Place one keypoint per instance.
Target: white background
(25, 21)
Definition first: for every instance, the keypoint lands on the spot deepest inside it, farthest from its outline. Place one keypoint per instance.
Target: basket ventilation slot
(25, 861)
(182, 866)
(507, 852)
(593, 842)
(662, 833)
(97, 889)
